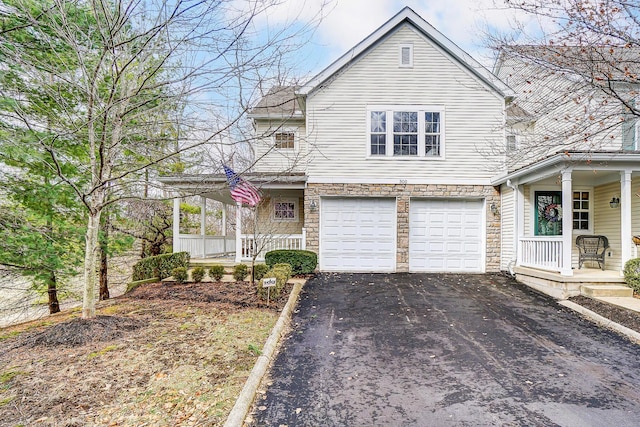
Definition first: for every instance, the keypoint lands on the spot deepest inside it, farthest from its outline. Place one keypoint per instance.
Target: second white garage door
(358, 234)
(446, 235)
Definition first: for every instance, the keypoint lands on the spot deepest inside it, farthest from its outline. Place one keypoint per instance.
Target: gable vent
(406, 55)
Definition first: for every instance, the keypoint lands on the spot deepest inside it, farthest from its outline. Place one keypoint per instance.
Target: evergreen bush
(216, 272)
(632, 274)
(197, 274)
(180, 274)
(159, 266)
(282, 273)
(240, 271)
(301, 262)
(259, 270)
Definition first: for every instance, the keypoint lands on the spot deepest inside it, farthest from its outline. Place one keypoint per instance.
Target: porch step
(606, 291)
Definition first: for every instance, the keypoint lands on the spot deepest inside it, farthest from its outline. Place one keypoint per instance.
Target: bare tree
(575, 67)
(144, 81)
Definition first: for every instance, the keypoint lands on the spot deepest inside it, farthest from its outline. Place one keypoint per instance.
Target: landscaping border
(603, 321)
(247, 395)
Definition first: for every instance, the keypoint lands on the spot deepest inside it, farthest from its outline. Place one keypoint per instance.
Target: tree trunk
(90, 263)
(104, 273)
(54, 305)
(104, 267)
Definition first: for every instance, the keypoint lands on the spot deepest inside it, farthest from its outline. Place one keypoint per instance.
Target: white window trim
(421, 110)
(532, 204)
(590, 210)
(294, 131)
(400, 49)
(296, 210)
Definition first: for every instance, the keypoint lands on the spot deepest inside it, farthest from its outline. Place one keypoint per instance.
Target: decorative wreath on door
(553, 212)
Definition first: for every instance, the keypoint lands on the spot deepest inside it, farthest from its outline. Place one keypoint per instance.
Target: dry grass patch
(151, 361)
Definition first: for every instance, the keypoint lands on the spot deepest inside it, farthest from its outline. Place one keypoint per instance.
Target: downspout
(514, 257)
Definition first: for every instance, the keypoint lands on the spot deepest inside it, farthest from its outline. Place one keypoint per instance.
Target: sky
(347, 22)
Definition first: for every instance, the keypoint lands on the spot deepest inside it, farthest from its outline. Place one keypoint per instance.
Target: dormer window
(406, 55)
(284, 140)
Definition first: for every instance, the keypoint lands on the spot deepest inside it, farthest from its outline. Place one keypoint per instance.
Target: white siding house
(406, 155)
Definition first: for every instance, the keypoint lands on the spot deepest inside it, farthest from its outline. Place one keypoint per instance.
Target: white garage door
(358, 234)
(446, 235)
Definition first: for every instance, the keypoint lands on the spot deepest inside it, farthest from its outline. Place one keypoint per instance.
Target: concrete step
(606, 291)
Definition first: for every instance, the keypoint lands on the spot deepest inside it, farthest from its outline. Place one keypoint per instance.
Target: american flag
(242, 191)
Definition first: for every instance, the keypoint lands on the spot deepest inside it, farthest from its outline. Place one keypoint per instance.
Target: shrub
(197, 274)
(286, 268)
(216, 272)
(159, 266)
(259, 270)
(180, 274)
(240, 271)
(282, 273)
(632, 274)
(301, 262)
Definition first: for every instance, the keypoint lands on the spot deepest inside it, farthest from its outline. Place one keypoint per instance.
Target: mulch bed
(623, 316)
(241, 294)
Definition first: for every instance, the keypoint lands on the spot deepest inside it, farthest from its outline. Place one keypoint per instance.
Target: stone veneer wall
(403, 193)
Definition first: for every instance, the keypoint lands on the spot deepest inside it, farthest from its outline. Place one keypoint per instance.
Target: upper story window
(409, 131)
(284, 140)
(406, 55)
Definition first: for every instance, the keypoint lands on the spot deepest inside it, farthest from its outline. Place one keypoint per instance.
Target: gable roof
(408, 16)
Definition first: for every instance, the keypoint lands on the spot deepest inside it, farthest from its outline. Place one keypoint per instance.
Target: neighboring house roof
(279, 102)
(408, 16)
(600, 64)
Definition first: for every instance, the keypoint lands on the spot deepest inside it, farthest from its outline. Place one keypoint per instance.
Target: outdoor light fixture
(615, 202)
(313, 206)
(494, 208)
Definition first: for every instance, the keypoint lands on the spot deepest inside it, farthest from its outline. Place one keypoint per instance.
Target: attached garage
(446, 235)
(358, 234)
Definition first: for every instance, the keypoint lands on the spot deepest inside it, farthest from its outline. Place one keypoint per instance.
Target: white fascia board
(430, 32)
(616, 161)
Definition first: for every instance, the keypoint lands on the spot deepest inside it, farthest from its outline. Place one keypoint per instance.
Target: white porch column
(176, 224)
(203, 224)
(238, 232)
(567, 223)
(224, 228)
(625, 217)
(519, 221)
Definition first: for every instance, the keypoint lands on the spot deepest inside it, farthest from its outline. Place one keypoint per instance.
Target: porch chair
(592, 248)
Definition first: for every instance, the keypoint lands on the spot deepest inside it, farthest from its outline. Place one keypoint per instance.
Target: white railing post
(304, 239)
(625, 217)
(567, 223)
(238, 233)
(176, 224)
(203, 223)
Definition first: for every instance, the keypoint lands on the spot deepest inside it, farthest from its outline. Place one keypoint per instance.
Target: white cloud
(347, 22)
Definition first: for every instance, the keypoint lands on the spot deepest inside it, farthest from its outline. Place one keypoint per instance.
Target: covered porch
(276, 223)
(547, 205)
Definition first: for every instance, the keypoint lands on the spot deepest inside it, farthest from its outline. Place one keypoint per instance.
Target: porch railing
(266, 243)
(543, 252)
(200, 246)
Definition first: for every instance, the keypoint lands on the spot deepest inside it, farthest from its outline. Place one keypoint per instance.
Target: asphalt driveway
(446, 349)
